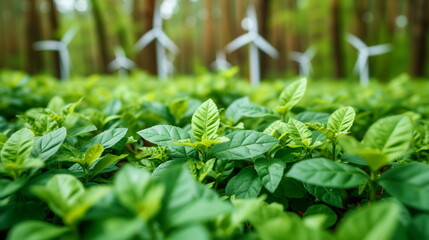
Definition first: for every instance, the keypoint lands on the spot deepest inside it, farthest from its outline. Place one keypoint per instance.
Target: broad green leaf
(8, 187)
(62, 192)
(91, 196)
(205, 121)
(331, 216)
(376, 221)
(291, 95)
(165, 135)
(135, 190)
(419, 228)
(307, 117)
(289, 227)
(243, 145)
(130, 185)
(107, 138)
(409, 184)
(246, 184)
(18, 147)
(391, 135)
(243, 108)
(299, 133)
(277, 129)
(342, 119)
(331, 196)
(48, 145)
(195, 231)
(37, 230)
(290, 188)
(374, 158)
(114, 228)
(92, 154)
(270, 171)
(106, 161)
(326, 173)
(76, 131)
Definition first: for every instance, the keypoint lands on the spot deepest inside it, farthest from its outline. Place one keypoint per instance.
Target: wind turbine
(365, 52)
(221, 63)
(256, 42)
(62, 47)
(121, 63)
(304, 61)
(163, 42)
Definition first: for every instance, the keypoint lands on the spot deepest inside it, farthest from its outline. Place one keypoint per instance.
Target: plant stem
(334, 151)
(372, 187)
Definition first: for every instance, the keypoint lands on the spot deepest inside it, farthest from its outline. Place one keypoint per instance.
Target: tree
(418, 15)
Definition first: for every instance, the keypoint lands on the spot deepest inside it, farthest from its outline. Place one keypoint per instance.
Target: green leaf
(243, 108)
(342, 119)
(419, 228)
(307, 117)
(376, 221)
(18, 147)
(92, 154)
(326, 173)
(270, 171)
(130, 185)
(106, 161)
(114, 228)
(276, 129)
(107, 138)
(331, 216)
(8, 187)
(243, 145)
(195, 231)
(391, 135)
(165, 135)
(331, 196)
(291, 95)
(299, 133)
(246, 184)
(205, 121)
(48, 145)
(37, 230)
(409, 184)
(62, 192)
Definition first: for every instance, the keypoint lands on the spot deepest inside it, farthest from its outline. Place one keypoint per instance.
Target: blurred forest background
(200, 28)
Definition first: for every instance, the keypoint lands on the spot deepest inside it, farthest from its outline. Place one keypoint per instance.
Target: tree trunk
(102, 34)
(336, 39)
(263, 9)
(208, 37)
(418, 25)
(33, 30)
(54, 27)
(143, 15)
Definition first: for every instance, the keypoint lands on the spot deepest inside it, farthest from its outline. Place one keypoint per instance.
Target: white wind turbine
(220, 63)
(163, 42)
(365, 52)
(62, 47)
(121, 63)
(304, 61)
(256, 42)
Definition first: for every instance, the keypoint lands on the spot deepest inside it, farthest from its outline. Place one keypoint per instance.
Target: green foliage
(147, 161)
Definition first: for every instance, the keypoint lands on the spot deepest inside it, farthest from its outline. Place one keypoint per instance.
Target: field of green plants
(210, 157)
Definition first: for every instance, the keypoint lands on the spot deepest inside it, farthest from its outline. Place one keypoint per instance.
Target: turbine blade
(379, 49)
(251, 14)
(355, 41)
(296, 56)
(238, 42)
(310, 53)
(145, 40)
(47, 45)
(266, 47)
(68, 36)
(167, 42)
